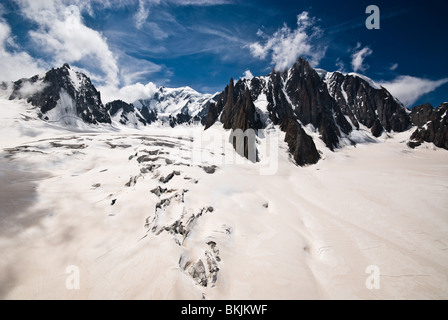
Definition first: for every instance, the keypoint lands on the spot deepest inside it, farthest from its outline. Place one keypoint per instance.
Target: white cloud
(286, 45)
(247, 75)
(62, 34)
(141, 15)
(15, 64)
(29, 88)
(129, 94)
(393, 67)
(157, 32)
(358, 58)
(409, 89)
(134, 70)
(224, 34)
(143, 12)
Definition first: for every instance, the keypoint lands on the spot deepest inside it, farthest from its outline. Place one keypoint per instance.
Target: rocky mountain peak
(239, 110)
(177, 105)
(331, 103)
(366, 103)
(432, 125)
(127, 114)
(303, 102)
(63, 94)
(421, 114)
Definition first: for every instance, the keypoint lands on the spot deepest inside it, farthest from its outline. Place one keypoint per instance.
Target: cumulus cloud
(15, 64)
(409, 89)
(129, 94)
(62, 35)
(59, 34)
(247, 75)
(286, 45)
(359, 56)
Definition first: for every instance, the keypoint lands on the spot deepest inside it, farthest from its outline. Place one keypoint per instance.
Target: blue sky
(129, 48)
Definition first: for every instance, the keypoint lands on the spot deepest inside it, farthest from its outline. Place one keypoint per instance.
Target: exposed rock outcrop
(365, 102)
(435, 130)
(332, 104)
(312, 103)
(295, 94)
(177, 106)
(421, 114)
(67, 92)
(127, 112)
(301, 145)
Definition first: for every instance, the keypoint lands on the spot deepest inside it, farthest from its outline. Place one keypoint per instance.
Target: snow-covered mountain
(68, 98)
(178, 216)
(306, 103)
(432, 125)
(303, 101)
(367, 103)
(178, 105)
(64, 96)
(126, 114)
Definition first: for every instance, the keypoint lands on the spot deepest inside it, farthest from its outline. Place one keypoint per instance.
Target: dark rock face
(179, 119)
(202, 115)
(239, 115)
(334, 104)
(239, 111)
(149, 115)
(126, 109)
(435, 130)
(115, 106)
(377, 128)
(421, 114)
(297, 94)
(313, 104)
(279, 107)
(301, 145)
(46, 92)
(215, 109)
(228, 113)
(212, 115)
(363, 103)
(75, 96)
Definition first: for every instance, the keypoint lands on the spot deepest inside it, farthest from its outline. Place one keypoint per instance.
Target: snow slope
(159, 212)
(172, 101)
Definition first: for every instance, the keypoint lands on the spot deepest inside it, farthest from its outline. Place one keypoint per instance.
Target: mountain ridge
(62, 95)
(333, 104)
(300, 100)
